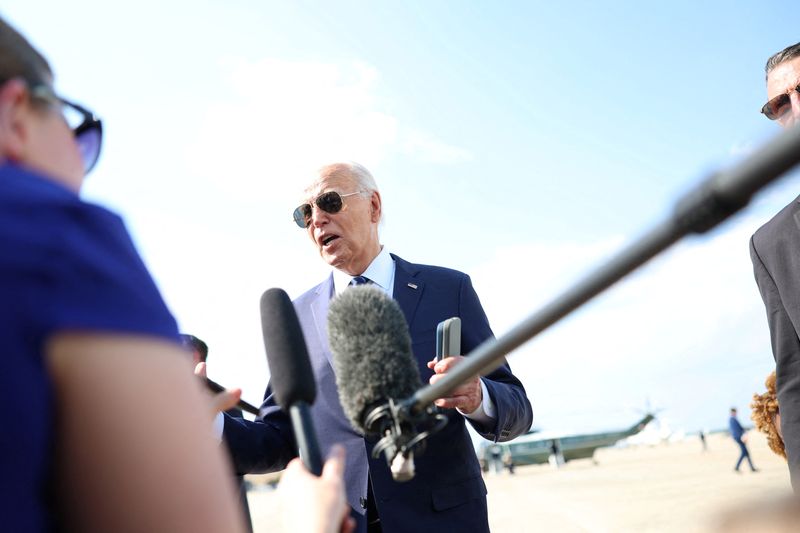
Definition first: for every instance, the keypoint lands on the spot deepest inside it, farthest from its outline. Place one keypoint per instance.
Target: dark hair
(196, 344)
(790, 52)
(19, 59)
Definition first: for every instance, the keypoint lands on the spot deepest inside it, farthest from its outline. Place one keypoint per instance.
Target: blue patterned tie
(360, 280)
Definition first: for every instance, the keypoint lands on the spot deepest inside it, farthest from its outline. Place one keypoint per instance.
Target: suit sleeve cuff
(485, 413)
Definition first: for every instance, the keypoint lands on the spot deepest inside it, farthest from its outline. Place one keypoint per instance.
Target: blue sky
(521, 142)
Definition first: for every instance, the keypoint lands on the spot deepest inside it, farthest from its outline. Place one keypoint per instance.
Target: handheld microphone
(374, 367)
(291, 376)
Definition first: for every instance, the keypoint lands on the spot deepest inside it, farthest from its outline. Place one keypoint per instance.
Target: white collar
(380, 272)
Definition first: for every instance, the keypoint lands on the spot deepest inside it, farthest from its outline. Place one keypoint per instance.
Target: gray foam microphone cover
(371, 347)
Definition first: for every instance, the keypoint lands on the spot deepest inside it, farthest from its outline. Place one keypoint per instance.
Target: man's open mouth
(329, 239)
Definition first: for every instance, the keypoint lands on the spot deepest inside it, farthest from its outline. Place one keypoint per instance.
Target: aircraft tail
(638, 426)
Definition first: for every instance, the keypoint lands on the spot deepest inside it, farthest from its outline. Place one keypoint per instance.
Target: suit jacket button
(363, 502)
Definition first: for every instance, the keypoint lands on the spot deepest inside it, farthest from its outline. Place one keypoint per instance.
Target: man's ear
(375, 206)
(14, 110)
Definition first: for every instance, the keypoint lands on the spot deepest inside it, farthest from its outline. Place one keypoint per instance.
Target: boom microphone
(291, 377)
(702, 208)
(374, 366)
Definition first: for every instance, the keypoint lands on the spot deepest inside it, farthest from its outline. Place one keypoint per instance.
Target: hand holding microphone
(329, 512)
(223, 399)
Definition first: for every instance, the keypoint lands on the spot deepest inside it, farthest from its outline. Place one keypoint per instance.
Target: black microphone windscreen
(291, 377)
(371, 347)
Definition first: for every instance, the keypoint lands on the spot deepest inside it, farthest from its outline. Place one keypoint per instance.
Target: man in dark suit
(775, 251)
(341, 217)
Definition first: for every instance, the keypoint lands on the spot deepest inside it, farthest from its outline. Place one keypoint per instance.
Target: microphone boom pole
(703, 208)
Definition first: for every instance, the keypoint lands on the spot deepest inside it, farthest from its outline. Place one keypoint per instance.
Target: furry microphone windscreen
(371, 347)
(291, 376)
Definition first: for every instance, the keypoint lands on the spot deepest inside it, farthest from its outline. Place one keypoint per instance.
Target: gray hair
(359, 173)
(790, 52)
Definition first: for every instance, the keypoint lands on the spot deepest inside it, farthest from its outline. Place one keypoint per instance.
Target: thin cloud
(278, 121)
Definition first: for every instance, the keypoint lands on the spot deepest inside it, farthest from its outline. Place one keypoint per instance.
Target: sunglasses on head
(778, 105)
(330, 202)
(86, 127)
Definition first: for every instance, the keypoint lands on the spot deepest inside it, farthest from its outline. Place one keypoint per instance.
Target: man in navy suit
(737, 434)
(341, 214)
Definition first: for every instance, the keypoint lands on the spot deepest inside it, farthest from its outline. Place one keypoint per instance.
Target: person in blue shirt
(92, 373)
(738, 435)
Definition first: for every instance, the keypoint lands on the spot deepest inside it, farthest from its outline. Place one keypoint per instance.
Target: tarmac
(675, 487)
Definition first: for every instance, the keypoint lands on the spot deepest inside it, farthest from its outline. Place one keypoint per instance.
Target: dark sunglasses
(86, 127)
(330, 202)
(778, 105)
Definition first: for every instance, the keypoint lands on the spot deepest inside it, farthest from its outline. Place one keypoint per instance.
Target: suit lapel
(407, 288)
(319, 310)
